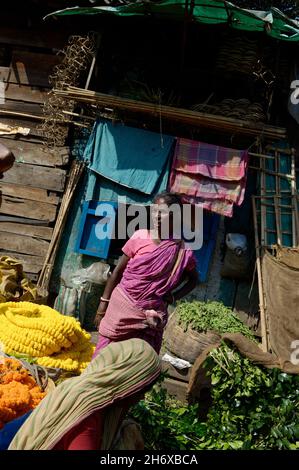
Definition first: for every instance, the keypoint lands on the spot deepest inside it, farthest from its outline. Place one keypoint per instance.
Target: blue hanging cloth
(126, 161)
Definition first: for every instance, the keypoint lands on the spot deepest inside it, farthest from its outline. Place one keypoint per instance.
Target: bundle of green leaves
(168, 424)
(252, 408)
(210, 316)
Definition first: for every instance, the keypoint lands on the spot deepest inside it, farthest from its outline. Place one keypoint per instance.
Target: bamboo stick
(75, 174)
(39, 118)
(270, 172)
(265, 345)
(279, 196)
(259, 155)
(93, 63)
(168, 112)
(268, 204)
(284, 151)
(18, 114)
(277, 206)
(263, 207)
(294, 191)
(295, 205)
(284, 232)
(272, 212)
(277, 219)
(83, 116)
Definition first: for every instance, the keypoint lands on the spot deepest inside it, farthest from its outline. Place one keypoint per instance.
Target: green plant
(253, 407)
(167, 423)
(210, 316)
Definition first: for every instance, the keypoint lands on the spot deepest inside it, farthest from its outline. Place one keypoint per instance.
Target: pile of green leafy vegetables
(210, 316)
(167, 424)
(252, 408)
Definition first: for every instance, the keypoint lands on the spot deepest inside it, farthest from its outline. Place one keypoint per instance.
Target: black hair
(169, 198)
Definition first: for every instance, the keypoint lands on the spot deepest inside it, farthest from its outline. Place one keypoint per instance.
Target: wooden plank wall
(31, 191)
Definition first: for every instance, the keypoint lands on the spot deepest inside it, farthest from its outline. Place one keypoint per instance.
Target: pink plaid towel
(206, 188)
(209, 176)
(209, 160)
(218, 206)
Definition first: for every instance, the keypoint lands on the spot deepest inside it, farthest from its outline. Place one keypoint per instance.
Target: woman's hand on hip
(99, 315)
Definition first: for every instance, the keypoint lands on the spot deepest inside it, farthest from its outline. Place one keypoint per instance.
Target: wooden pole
(265, 345)
(259, 155)
(294, 191)
(93, 62)
(75, 174)
(273, 173)
(184, 40)
(185, 116)
(277, 218)
(263, 208)
(295, 202)
(277, 206)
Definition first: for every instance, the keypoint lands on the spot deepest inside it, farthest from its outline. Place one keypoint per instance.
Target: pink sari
(136, 308)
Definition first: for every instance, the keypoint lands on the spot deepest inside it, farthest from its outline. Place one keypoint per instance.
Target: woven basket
(187, 345)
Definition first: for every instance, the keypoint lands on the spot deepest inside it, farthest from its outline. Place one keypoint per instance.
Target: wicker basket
(187, 345)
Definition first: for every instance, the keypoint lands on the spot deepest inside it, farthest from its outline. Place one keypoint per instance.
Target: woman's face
(162, 219)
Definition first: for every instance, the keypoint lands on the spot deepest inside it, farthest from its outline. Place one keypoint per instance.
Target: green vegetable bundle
(210, 316)
(253, 407)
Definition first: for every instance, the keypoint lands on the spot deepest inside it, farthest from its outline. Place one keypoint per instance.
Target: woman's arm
(112, 282)
(192, 280)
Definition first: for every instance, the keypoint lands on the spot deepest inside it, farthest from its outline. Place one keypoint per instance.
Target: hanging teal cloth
(126, 161)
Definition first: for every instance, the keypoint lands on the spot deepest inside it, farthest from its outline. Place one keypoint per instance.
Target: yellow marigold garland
(39, 331)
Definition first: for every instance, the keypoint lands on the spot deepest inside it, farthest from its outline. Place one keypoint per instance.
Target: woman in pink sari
(135, 300)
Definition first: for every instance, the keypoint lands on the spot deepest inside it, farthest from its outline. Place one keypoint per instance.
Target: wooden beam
(28, 209)
(4, 73)
(264, 330)
(26, 192)
(36, 176)
(23, 244)
(32, 68)
(35, 231)
(23, 122)
(36, 154)
(32, 109)
(24, 93)
(45, 38)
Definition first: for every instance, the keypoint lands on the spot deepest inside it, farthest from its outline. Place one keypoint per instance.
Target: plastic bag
(75, 285)
(236, 242)
(96, 273)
